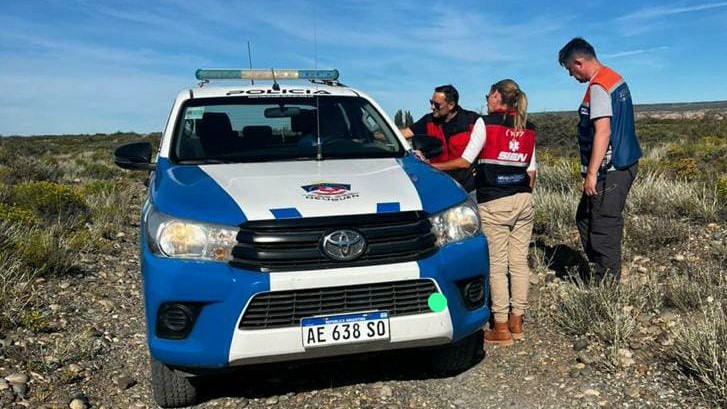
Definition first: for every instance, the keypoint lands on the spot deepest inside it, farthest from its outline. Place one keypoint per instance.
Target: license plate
(345, 329)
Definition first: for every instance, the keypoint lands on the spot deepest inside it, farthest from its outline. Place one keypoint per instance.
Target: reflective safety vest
(503, 161)
(623, 149)
(453, 146)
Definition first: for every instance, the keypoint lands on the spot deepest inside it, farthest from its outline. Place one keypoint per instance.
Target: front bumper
(223, 291)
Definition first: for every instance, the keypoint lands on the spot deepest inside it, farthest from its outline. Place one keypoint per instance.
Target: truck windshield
(244, 129)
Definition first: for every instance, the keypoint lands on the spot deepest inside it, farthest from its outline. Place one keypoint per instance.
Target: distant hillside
(669, 110)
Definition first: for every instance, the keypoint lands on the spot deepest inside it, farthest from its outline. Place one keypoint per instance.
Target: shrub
(722, 189)
(688, 290)
(651, 233)
(661, 196)
(17, 215)
(607, 311)
(98, 170)
(49, 251)
(50, 201)
(29, 169)
(98, 188)
(699, 350)
(16, 291)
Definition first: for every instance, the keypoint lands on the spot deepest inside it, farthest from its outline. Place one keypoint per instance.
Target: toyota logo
(343, 245)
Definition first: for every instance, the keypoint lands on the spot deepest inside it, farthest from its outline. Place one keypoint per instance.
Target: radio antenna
(249, 59)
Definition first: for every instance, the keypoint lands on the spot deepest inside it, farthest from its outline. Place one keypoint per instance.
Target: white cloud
(658, 12)
(631, 53)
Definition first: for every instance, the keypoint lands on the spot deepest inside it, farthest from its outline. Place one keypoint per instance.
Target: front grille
(295, 244)
(286, 308)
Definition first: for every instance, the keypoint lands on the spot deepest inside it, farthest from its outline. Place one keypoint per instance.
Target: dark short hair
(576, 47)
(450, 93)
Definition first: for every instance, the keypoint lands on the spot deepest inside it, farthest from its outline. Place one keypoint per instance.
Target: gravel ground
(90, 352)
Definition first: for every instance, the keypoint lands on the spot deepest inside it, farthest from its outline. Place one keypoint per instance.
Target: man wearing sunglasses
(452, 125)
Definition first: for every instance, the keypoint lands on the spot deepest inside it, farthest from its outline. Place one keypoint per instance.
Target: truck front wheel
(171, 388)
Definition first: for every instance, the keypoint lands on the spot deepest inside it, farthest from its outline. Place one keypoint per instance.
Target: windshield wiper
(201, 161)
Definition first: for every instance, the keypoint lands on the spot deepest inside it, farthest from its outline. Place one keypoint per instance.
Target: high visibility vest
(623, 149)
(503, 161)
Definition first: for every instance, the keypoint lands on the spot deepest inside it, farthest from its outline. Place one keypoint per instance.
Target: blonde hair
(514, 98)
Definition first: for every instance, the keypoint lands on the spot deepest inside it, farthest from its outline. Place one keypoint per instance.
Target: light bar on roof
(324, 75)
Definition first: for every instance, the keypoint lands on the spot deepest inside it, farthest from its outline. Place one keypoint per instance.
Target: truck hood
(235, 193)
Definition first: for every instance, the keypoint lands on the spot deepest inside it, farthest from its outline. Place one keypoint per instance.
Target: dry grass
(699, 350)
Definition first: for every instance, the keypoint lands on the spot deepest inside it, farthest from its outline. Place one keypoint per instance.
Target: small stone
(679, 257)
(78, 404)
(529, 378)
(273, 400)
(17, 378)
(125, 382)
(579, 365)
(242, 402)
(75, 368)
(668, 315)
(591, 392)
(580, 345)
(642, 270)
(585, 358)
(64, 285)
(20, 389)
(574, 373)
(386, 391)
(632, 392)
(7, 395)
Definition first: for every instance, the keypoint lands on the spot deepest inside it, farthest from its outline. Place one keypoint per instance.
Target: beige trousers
(508, 225)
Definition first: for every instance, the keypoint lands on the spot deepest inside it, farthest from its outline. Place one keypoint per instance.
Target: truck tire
(171, 389)
(455, 358)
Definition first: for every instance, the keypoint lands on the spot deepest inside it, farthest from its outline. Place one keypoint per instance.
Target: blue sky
(70, 66)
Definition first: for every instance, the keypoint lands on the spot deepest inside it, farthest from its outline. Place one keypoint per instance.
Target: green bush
(51, 201)
(98, 170)
(722, 188)
(29, 169)
(17, 215)
(99, 188)
(49, 251)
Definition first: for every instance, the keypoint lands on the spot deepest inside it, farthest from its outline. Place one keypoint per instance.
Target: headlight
(456, 223)
(171, 237)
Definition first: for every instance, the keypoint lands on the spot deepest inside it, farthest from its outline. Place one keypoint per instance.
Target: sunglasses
(436, 105)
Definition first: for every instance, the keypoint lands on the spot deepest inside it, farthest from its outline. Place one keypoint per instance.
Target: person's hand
(589, 185)
(420, 155)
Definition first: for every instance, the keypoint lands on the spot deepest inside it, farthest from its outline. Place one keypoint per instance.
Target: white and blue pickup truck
(288, 222)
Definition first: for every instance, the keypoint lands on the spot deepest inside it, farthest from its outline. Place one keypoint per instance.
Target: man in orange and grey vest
(452, 125)
(609, 151)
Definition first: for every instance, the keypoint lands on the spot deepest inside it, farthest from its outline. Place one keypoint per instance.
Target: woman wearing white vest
(503, 144)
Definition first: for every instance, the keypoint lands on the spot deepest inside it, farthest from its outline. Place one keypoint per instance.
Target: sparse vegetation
(62, 199)
(674, 252)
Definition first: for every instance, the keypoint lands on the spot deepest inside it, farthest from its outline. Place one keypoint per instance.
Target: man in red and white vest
(452, 125)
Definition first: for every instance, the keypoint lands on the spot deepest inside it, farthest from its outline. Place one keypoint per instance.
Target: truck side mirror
(428, 145)
(134, 156)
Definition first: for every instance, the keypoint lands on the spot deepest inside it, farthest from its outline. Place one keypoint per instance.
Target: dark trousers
(600, 221)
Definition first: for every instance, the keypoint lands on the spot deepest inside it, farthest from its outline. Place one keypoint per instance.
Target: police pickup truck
(295, 222)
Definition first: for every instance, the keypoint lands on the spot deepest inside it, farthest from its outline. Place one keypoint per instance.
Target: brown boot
(516, 327)
(500, 335)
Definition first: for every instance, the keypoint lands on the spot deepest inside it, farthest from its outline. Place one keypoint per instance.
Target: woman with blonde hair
(503, 145)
